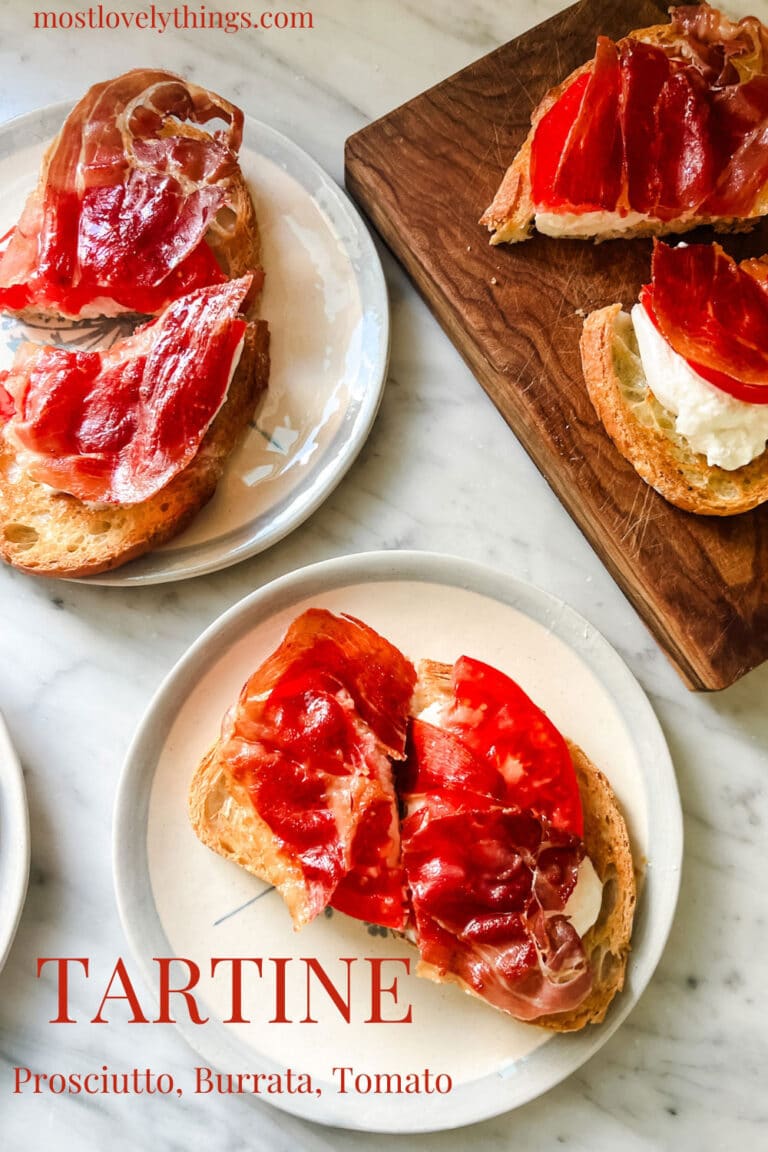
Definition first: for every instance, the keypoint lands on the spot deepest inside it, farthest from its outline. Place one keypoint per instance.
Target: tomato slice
(496, 742)
(550, 139)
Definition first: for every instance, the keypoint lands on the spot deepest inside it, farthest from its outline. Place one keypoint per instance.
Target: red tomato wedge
(665, 129)
(714, 313)
(310, 738)
(439, 760)
(529, 762)
(116, 426)
(125, 199)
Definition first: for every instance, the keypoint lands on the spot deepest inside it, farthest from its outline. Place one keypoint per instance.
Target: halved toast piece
(54, 534)
(512, 215)
(146, 129)
(606, 841)
(644, 431)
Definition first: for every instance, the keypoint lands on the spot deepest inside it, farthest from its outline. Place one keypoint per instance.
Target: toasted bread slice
(225, 821)
(606, 841)
(232, 235)
(235, 240)
(644, 431)
(511, 216)
(55, 534)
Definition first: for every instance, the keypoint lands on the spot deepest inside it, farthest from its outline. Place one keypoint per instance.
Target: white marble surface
(441, 471)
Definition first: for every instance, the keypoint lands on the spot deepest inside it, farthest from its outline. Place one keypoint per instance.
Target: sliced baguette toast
(223, 818)
(607, 942)
(55, 534)
(232, 235)
(511, 217)
(644, 431)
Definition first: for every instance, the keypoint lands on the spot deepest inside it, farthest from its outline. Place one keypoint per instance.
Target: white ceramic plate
(14, 843)
(176, 898)
(326, 303)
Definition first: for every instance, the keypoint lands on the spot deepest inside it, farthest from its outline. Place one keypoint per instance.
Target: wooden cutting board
(423, 174)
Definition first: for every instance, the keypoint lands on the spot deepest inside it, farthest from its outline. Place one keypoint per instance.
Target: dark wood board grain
(423, 174)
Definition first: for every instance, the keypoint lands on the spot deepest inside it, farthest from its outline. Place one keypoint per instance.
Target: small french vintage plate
(14, 843)
(177, 898)
(326, 302)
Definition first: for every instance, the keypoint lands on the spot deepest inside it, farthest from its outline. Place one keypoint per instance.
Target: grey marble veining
(441, 471)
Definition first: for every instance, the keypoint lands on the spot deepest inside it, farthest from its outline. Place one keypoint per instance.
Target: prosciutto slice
(310, 740)
(714, 313)
(127, 192)
(671, 128)
(115, 427)
(488, 888)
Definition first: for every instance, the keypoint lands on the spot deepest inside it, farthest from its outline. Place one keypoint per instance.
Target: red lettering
(165, 991)
(237, 983)
(377, 991)
(62, 964)
(120, 973)
(344, 1006)
(280, 963)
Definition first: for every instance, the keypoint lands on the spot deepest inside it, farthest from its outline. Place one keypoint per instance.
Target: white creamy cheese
(729, 432)
(583, 908)
(581, 224)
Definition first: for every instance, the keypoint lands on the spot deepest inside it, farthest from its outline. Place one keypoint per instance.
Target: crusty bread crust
(55, 534)
(644, 432)
(511, 216)
(225, 821)
(234, 237)
(607, 942)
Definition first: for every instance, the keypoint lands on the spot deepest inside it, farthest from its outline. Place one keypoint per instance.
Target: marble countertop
(78, 664)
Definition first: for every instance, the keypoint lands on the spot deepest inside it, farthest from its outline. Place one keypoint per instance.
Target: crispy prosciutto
(310, 740)
(116, 426)
(488, 887)
(670, 126)
(492, 847)
(127, 193)
(714, 313)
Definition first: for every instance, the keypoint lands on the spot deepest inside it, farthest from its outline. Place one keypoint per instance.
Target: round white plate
(326, 302)
(176, 898)
(14, 843)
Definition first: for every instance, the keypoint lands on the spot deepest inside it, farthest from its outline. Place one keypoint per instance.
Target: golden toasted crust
(235, 240)
(644, 431)
(224, 819)
(607, 942)
(54, 534)
(511, 216)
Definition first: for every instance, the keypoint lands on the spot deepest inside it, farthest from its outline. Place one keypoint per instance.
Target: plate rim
(138, 773)
(13, 795)
(368, 275)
